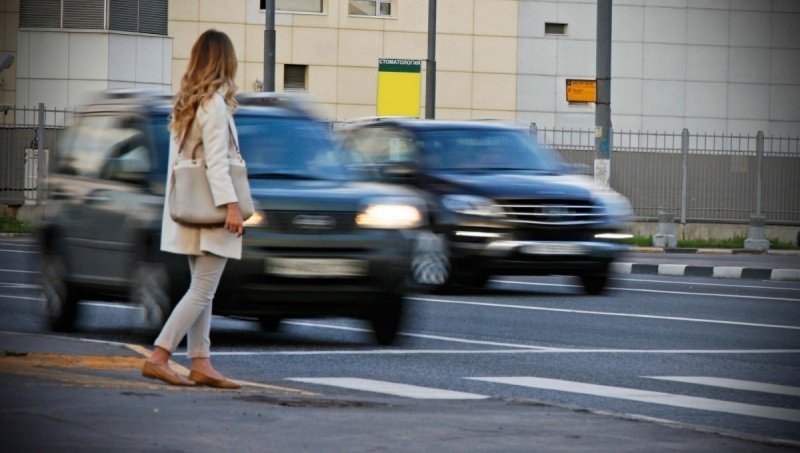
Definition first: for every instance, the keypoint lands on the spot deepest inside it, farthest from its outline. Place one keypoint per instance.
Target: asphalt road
(710, 355)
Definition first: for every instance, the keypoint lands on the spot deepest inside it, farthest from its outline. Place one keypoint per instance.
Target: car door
(104, 165)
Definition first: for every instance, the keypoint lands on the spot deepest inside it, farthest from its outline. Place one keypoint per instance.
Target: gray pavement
(67, 395)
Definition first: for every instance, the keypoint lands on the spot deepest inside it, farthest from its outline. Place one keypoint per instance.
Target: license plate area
(554, 248)
(316, 267)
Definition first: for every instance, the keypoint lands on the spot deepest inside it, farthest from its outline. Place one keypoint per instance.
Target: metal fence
(25, 135)
(698, 177)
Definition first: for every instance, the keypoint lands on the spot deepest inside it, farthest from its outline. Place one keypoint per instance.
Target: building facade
(727, 66)
(68, 51)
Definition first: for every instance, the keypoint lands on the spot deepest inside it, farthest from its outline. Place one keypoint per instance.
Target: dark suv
(498, 203)
(320, 243)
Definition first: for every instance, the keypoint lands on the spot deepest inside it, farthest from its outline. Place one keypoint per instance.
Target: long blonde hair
(212, 65)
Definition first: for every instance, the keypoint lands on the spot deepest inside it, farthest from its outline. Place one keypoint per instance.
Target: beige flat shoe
(151, 371)
(200, 378)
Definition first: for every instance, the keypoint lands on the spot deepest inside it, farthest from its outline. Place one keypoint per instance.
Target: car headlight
(258, 219)
(472, 205)
(390, 214)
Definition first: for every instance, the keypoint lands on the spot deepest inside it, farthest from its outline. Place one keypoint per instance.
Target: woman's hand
(234, 222)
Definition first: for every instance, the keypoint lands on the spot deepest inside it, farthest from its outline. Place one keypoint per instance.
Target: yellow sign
(581, 90)
(399, 87)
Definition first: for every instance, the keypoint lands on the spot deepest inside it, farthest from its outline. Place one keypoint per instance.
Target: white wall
(66, 69)
(706, 65)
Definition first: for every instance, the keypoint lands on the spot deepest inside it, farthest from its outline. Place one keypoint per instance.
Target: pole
(269, 46)
(430, 74)
(41, 161)
(760, 168)
(602, 115)
(685, 173)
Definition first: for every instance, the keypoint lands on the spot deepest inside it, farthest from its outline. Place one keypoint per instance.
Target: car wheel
(430, 265)
(594, 284)
(61, 299)
(387, 319)
(150, 290)
(270, 323)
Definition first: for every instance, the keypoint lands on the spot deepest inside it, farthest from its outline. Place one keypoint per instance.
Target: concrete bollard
(665, 237)
(756, 235)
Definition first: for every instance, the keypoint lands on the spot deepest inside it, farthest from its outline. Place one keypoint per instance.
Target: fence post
(756, 234)
(685, 174)
(41, 171)
(534, 131)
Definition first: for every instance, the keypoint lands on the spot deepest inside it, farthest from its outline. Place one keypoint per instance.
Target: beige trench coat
(212, 130)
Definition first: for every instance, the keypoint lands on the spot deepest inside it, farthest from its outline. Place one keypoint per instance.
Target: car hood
(516, 184)
(321, 195)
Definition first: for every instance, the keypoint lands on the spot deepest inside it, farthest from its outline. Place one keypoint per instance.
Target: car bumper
(315, 275)
(514, 257)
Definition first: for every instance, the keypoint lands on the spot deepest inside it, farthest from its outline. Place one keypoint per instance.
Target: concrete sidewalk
(65, 394)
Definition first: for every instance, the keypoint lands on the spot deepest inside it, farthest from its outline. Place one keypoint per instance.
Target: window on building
(295, 6)
(142, 16)
(552, 28)
(379, 8)
(294, 77)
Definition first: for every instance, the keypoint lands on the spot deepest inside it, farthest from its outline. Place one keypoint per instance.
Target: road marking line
(732, 384)
(416, 335)
(19, 271)
(391, 388)
(645, 396)
(602, 313)
(37, 299)
(684, 293)
(19, 251)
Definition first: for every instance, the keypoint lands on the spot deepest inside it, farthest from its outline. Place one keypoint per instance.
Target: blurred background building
(708, 65)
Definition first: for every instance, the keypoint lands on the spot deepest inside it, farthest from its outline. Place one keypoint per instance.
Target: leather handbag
(190, 200)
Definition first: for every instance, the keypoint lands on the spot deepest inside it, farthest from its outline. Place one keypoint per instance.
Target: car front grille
(310, 222)
(552, 212)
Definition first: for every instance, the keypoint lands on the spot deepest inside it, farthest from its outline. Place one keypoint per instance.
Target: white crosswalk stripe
(391, 388)
(732, 384)
(631, 394)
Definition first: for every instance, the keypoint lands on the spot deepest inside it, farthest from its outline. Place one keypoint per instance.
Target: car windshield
(280, 148)
(288, 148)
(483, 149)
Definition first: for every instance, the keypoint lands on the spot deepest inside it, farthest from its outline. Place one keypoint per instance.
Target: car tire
(61, 299)
(151, 291)
(430, 264)
(386, 320)
(594, 284)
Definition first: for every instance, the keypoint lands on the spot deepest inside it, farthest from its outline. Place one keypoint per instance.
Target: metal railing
(699, 177)
(26, 134)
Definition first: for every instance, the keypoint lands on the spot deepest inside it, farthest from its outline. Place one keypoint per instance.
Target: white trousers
(192, 316)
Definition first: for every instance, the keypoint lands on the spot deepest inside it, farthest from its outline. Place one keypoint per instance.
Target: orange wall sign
(581, 90)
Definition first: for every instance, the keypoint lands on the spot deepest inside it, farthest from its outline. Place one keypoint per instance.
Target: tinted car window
(482, 149)
(277, 146)
(288, 146)
(382, 145)
(92, 142)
